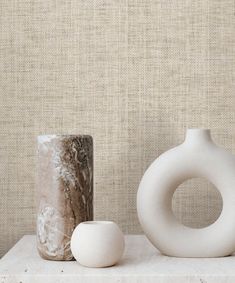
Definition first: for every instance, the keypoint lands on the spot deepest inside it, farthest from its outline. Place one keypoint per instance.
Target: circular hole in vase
(197, 203)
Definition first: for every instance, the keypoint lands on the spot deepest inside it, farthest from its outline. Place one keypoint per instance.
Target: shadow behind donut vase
(64, 187)
(197, 156)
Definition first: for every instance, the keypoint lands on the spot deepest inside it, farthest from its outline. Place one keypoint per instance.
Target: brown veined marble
(64, 187)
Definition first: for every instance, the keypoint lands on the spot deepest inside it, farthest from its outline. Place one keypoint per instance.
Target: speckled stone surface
(141, 263)
(64, 188)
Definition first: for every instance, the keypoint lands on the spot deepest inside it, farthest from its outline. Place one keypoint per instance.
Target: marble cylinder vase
(64, 189)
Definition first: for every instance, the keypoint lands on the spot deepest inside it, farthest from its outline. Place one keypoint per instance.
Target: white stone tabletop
(141, 263)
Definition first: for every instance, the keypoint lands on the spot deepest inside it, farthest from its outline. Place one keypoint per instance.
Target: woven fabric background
(132, 73)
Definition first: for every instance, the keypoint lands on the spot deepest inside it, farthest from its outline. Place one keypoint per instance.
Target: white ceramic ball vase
(197, 156)
(97, 243)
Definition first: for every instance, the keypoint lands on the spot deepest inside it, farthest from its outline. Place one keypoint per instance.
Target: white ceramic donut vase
(97, 243)
(198, 156)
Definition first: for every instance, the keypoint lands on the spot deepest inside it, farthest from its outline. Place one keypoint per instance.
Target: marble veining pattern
(65, 192)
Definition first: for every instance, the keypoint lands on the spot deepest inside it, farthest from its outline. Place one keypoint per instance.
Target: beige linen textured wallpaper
(132, 73)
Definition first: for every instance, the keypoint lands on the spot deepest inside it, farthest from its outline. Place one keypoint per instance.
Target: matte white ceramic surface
(198, 156)
(97, 243)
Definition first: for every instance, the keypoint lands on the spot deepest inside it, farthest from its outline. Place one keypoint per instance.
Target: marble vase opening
(197, 203)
